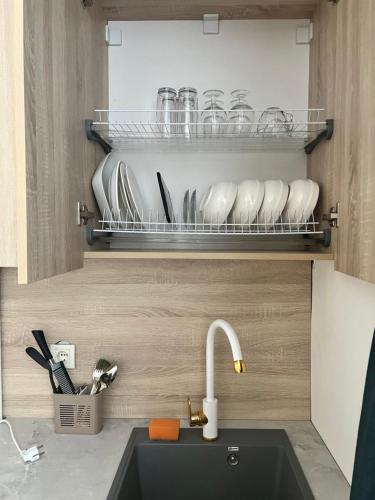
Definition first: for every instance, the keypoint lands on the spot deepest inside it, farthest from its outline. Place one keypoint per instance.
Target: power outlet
(64, 352)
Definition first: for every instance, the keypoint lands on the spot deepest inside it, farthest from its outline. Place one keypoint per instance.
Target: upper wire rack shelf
(139, 129)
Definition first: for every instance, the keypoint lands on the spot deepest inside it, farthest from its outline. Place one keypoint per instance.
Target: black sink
(241, 465)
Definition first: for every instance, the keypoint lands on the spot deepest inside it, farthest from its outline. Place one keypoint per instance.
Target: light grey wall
(343, 322)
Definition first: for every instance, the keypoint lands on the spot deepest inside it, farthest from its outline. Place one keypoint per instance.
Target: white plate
(186, 207)
(193, 207)
(275, 197)
(134, 194)
(217, 202)
(117, 195)
(125, 200)
(100, 183)
(249, 198)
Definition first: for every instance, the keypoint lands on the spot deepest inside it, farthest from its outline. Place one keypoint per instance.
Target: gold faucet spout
(239, 366)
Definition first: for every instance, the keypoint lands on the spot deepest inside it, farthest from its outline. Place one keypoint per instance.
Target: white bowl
(249, 199)
(303, 197)
(275, 196)
(299, 195)
(217, 202)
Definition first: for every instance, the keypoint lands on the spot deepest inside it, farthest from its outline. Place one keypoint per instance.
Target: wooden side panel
(65, 78)
(12, 136)
(322, 95)
(354, 148)
(194, 9)
(152, 318)
(342, 77)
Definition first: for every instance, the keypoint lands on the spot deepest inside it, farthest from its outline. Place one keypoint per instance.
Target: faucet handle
(196, 418)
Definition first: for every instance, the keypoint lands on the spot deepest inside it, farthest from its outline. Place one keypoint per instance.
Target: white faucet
(208, 417)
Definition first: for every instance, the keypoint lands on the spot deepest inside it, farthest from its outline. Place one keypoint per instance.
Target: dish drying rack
(154, 232)
(138, 129)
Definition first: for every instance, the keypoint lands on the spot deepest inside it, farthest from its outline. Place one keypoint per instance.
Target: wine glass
(241, 114)
(213, 115)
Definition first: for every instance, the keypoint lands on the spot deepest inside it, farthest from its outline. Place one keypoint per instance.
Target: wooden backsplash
(152, 318)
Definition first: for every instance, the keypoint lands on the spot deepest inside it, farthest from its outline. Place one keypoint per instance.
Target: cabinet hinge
(83, 214)
(333, 216)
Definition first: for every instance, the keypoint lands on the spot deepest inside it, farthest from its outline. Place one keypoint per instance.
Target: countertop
(77, 467)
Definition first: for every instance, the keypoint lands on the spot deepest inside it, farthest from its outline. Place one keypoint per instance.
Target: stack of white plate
(117, 192)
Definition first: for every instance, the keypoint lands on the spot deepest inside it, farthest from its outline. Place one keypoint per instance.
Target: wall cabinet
(53, 82)
(55, 57)
(342, 79)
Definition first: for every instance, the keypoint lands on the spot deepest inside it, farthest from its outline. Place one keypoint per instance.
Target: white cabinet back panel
(261, 56)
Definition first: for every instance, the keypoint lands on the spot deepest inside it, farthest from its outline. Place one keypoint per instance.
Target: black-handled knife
(38, 358)
(58, 369)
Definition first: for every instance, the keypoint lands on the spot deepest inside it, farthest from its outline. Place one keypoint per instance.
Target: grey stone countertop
(83, 467)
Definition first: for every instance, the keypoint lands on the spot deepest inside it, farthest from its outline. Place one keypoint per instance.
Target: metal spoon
(108, 377)
(101, 366)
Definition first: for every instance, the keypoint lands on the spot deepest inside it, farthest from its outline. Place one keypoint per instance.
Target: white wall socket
(64, 352)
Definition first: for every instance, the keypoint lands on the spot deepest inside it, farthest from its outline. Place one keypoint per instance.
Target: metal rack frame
(132, 129)
(154, 232)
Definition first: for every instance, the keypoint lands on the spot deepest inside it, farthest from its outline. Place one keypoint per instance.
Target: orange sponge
(167, 429)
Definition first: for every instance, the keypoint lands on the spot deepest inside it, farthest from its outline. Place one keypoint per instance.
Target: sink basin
(241, 465)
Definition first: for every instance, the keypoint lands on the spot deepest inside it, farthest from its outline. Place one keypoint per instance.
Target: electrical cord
(30, 454)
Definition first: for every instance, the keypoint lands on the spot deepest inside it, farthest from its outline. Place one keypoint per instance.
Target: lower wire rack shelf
(155, 233)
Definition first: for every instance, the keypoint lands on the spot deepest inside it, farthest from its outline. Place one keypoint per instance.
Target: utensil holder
(78, 414)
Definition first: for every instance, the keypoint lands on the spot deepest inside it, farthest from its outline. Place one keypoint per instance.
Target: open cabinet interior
(270, 61)
(74, 84)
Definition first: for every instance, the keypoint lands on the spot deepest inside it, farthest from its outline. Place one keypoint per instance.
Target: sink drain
(233, 459)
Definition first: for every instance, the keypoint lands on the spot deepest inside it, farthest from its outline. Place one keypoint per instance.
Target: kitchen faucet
(208, 416)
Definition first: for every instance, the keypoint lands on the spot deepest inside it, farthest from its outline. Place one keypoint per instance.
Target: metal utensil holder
(78, 414)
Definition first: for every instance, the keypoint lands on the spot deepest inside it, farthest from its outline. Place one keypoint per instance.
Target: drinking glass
(166, 110)
(213, 115)
(188, 105)
(274, 121)
(241, 114)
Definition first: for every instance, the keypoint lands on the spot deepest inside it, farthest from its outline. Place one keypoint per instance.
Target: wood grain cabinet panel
(343, 80)
(152, 317)
(12, 144)
(194, 9)
(63, 77)
(355, 142)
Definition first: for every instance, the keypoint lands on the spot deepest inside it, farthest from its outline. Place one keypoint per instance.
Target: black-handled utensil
(38, 358)
(43, 346)
(58, 369)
